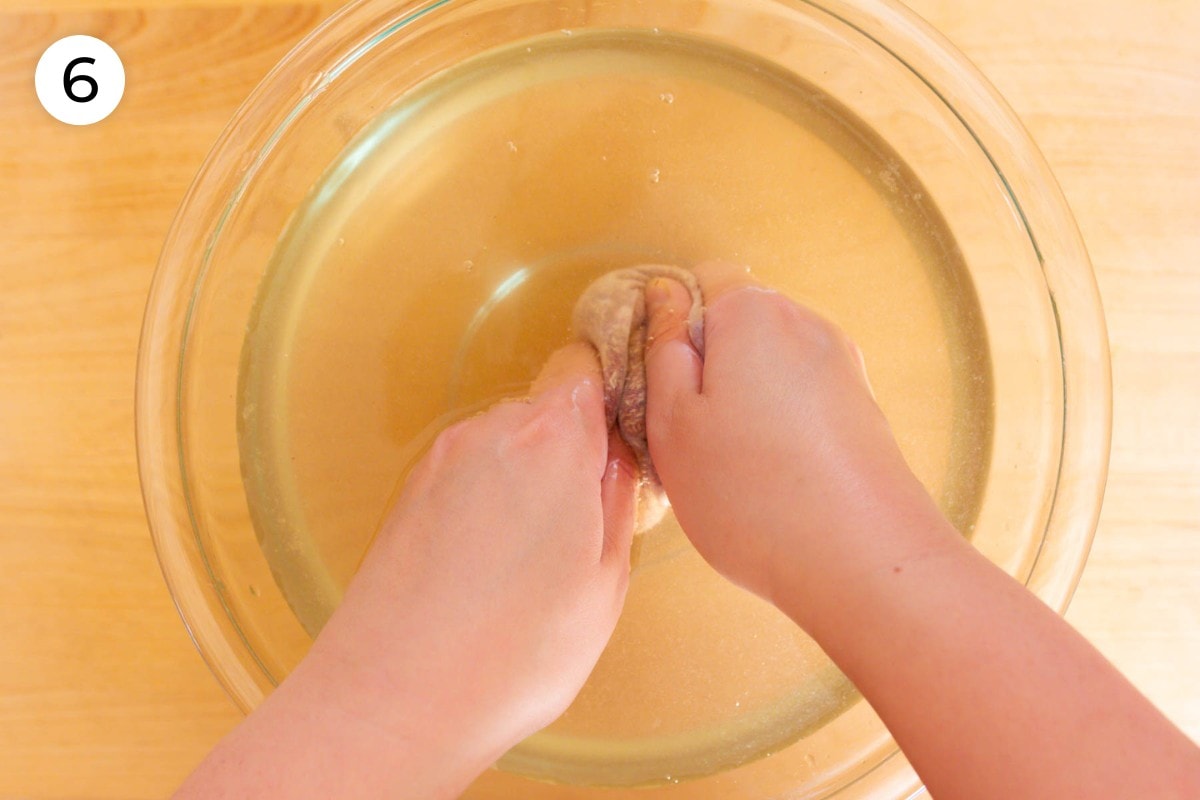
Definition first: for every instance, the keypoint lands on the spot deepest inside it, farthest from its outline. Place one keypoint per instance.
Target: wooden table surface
(101, 692)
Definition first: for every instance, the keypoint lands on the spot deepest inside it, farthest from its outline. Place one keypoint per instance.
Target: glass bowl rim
(351, 31)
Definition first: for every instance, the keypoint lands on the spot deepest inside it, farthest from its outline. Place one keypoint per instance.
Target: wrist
(396, 677)
(885, 526)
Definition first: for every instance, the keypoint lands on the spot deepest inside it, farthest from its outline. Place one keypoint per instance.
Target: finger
(572, 375)
(673, 367)
(719, 278)
(618, 499)
(567, 366)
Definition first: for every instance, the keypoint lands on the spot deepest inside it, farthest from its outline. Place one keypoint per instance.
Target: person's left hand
(497, 579)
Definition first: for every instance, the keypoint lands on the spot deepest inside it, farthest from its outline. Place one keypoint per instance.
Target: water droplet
(528, 49)
(604, 158)
(655, 174)
(566, 32)
(468, 265)
(810, 759)
(512, 146)
(341, 240)
(656, 31)
(667, 98)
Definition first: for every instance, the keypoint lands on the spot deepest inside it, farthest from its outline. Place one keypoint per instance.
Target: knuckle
(780, 310)
(746, 308)
(550, 419)
(455, 437)
(784, 316)
(450, 443)
(555, 406)
(452, 436)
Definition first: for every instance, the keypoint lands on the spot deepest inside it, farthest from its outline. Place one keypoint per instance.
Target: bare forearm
(989, 693)
(318, 737)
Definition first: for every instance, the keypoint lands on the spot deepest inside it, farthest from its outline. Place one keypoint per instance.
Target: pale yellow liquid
(435, 266)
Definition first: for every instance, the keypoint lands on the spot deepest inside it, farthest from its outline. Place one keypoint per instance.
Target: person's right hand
(771, 447)
(786, 477)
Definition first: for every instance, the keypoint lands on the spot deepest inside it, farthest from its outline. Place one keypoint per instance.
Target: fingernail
(658, 293)
(614, 466)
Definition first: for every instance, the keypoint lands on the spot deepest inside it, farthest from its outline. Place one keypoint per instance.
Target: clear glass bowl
(1041, 317)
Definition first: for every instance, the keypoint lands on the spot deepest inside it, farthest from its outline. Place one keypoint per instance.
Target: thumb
(673, 367)
(618, 500)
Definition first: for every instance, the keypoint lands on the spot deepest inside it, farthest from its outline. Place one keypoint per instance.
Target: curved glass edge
(179, 557)
(260, 120)
(1066, 267)
(1070, 282)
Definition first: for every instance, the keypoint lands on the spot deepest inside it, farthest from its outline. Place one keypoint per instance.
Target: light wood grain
(1111, 93)
(101, 693)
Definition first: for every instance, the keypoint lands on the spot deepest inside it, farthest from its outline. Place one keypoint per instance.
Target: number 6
(70, 80)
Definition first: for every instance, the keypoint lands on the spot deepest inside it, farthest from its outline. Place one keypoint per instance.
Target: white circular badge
(80, 80)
